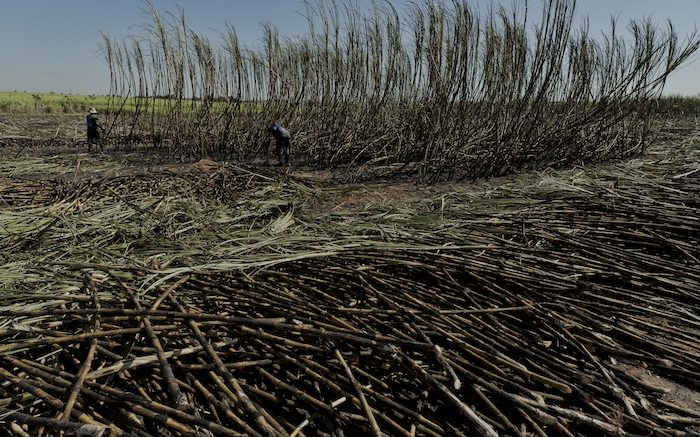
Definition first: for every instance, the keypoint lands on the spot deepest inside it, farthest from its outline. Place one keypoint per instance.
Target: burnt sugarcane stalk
(177, 396)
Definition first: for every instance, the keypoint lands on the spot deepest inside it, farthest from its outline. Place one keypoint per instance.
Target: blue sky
(51, 45)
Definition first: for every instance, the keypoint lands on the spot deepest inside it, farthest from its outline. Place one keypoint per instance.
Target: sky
(52, 45)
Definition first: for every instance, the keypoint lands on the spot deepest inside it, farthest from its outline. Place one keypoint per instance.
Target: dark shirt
(91, 121)
(92, 125)
(279, 132)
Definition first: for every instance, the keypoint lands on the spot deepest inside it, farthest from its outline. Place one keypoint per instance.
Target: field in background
(52, 103)
(674, 106)
(24, 101)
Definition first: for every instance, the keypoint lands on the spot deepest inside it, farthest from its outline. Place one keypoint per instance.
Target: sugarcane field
(429, 218)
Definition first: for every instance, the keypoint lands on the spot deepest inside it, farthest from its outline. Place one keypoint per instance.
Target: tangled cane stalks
(570, 306)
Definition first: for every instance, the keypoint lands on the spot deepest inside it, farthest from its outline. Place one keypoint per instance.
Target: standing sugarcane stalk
(438, 88)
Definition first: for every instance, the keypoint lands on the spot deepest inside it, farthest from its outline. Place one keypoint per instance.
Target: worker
(93, 129)
(283, 139)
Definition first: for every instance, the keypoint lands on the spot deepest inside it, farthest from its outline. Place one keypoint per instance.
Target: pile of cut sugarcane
(570, 308)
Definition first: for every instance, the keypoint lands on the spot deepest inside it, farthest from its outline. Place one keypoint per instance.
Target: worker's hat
(93, 110)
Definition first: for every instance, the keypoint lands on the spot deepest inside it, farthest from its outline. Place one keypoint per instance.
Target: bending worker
(283, 139)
